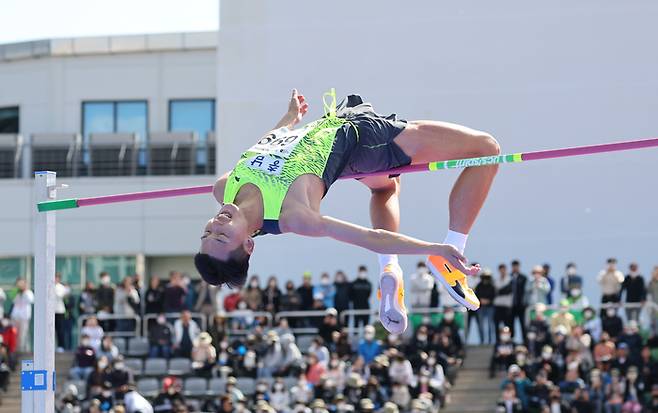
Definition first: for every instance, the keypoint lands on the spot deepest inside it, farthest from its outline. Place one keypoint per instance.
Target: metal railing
(201, 317)
(242, 314)
(113, 317)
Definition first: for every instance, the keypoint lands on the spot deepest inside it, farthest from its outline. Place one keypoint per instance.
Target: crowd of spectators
(327, 368)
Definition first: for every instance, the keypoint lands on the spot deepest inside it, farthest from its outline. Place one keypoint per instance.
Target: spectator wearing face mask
(577, 300)
(486, 292)
(612, 323)
(503, 301)
(171, 396)
(107, 349)
(160, 338)
(119, 375)
(104, 292)
(369, 348)
(571, 281)
(327, 289)
(342, 288)
(84, 361)
(203, 355)
(21, 314)
(635, 291)
(610, 279)
(422, 284)
(186, 330)
(126, 304)
(98, 376)
(503, 352)
(305, 292)
(253, 295)
(592, 323)
(360, 295)
(537, 288)
(271, 295)
(291, 360)
(154, 296)
(279, 397)
(95, 332)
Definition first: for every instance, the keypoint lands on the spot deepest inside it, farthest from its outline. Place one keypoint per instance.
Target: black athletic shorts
(365, 142)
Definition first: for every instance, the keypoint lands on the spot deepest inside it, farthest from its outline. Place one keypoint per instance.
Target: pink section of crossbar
(138, 196)
(528, 156)
(589, 149)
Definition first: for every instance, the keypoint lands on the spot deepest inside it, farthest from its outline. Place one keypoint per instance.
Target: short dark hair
(516, 263)
(232, 272)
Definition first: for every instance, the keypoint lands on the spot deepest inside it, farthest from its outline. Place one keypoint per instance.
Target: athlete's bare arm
(307, 222)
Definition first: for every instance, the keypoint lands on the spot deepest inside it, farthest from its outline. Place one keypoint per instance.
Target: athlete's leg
(427, 141)
(385, 214)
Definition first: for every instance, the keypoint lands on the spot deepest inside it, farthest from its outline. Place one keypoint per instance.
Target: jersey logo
(265, 163)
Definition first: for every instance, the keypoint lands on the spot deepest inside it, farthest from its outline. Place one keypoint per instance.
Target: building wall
(50, 90)
(536, 76)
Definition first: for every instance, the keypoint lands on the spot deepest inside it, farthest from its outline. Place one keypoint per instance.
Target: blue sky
(22, 20)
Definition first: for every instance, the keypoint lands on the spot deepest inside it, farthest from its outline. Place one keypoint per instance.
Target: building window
(119, 267)
(70, 268)
(9, 119)
(11, 269)
(193, 115)
(115, 117)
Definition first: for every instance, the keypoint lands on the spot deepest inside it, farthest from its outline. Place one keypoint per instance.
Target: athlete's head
(226, 246)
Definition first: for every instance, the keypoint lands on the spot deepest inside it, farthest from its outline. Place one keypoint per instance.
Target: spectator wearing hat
(563, 320)
(360, 295)
(374, 391)
(272, 357)
(486, 292)
(516, 376)
(592, 323)
(369, 348)
(353, 388)
(366, 406)
(635, 291)
(610, 279)
(329, 324)
(203, 355)
(171, 397)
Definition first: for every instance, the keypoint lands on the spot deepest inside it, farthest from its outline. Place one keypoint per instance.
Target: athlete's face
(226, 232)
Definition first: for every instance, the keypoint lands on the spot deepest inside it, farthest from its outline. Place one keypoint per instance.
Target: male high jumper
(278, 184)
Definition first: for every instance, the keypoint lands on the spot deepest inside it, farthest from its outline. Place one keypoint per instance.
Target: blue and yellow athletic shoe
(454, 281)
(392, 311)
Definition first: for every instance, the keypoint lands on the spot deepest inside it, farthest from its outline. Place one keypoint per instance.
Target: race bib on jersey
(281, 142)
(265, 163)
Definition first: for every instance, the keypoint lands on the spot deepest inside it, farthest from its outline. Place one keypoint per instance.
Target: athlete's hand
(457, 259)
(297, 108)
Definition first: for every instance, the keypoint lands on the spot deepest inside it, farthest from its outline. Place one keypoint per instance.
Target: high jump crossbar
(427, 167)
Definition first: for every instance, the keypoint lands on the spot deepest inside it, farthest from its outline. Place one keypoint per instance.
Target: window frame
(206, 99)
(18, 110)
(114, 103)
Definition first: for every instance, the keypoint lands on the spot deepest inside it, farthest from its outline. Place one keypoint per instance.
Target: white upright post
(44, 297)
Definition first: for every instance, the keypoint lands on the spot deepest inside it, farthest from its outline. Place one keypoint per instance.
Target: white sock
(456, 239)
(386, 259)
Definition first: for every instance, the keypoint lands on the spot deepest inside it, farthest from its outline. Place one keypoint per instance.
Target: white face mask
(162, 320)
(571, 271)
(369, 336)
(325, 281)
(449, 316)
(119, 366)
(85, 343)
(242, 305)
(505, 337)
(105, 281)
(610, 312)
(575, 292)
(546, 355)
(254, 284)
(363, 275)
(102, 365)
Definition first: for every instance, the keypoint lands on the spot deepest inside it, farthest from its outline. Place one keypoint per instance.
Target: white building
(536, 76)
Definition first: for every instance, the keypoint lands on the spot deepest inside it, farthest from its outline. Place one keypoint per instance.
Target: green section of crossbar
(57, 205)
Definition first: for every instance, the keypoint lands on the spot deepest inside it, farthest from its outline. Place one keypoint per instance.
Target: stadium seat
(180, 366)
(216, 386)
(135, 365)
(195, 387)
(247, 385)
(120, 342)
(148, 387)
(138, 347)
(155, 367)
